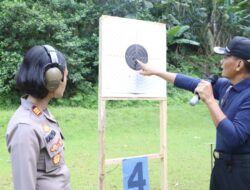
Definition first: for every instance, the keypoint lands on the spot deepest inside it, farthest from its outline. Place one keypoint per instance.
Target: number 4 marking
(135, 174)
(136, 178)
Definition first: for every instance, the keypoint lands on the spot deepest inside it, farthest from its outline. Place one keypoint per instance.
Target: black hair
(30, 76)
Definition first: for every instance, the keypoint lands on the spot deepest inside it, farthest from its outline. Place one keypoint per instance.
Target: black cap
(238, 47)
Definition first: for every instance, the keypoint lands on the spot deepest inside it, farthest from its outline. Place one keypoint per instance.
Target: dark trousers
(230, 174)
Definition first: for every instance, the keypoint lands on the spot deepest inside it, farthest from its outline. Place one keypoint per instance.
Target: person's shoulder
(222, 84)
(22, 118)
(23, 132)
(223, 81)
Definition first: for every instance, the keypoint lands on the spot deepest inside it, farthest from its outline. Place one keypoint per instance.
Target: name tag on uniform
(50, 136)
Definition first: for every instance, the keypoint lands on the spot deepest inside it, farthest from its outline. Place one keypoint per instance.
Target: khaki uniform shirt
(36, 147)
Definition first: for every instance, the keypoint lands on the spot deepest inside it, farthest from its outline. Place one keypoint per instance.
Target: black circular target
(136, 52)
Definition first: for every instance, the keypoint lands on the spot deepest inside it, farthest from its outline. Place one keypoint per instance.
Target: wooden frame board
(162, 155)
(116, 80)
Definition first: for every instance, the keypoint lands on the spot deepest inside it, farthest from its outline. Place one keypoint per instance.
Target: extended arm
(148, 70)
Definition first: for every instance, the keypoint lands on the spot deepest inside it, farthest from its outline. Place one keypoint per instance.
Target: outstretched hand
(147, 69)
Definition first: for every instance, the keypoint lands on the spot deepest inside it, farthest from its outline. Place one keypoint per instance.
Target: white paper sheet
(117, 78)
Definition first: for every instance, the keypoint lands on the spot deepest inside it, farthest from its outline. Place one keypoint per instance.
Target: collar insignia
(36, 111)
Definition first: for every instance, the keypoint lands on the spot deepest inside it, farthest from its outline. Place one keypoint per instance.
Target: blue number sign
(135, 174)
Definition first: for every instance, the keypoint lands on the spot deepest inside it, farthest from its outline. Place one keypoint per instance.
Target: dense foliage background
(194, 27)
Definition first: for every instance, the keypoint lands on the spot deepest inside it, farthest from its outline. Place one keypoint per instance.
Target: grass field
(130, 131)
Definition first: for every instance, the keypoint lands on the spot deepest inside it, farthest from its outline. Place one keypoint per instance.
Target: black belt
(219, 155)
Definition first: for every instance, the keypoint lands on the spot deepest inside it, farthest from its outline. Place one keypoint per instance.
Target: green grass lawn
(131, 131)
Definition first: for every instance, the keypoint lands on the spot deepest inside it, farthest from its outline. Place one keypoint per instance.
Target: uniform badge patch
(56, 159)
(36, 111)
(56, 145)
(46, 128)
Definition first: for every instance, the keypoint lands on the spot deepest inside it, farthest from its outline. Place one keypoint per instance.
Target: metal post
(212, 158)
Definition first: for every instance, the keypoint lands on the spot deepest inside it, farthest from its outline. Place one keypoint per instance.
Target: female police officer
(33, 136)
(231, 116)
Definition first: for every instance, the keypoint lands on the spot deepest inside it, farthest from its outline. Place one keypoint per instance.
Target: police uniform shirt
(36, 147)
(233, 132)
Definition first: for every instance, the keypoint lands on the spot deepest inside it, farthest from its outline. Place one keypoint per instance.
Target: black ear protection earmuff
(53, 74)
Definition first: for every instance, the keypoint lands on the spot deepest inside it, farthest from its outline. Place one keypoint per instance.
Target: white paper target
(122, 42)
